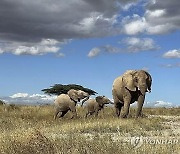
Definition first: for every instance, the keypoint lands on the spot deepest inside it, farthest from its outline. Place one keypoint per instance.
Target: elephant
(66, 102)
(130, 87)
(95, 105)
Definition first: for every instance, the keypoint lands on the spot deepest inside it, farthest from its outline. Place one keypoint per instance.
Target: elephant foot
(124, 116)
(86, 115)
(118, 116)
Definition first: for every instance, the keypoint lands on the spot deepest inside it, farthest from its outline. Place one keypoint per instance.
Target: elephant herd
(127, 88)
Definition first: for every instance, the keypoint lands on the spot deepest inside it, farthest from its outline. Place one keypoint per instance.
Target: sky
(45, 42)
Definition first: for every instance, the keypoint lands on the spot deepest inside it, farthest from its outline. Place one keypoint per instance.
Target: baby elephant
(95, 105)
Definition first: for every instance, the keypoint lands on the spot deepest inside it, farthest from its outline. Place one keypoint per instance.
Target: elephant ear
(73, 94)
(129, 81)
(148, 81)
(82, 94)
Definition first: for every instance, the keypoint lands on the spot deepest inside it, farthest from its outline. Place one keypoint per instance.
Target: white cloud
(88, 23)
(106, 48)
(131, 45)
(26, 50)
(97, 25)
(160, 17)
(148, 24)
(42, 97)
(155, 13)
(172, 54)
(110, 49)
(43, 47)
(134, 25)
(156, 104)
(135, 44)
(164, 14)
(19, 95)
(159, 104)
(159, 29)
(163, 104)
(25, 98)
(49, 42)
(94, 52)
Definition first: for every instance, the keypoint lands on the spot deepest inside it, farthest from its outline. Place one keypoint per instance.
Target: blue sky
(90, 45)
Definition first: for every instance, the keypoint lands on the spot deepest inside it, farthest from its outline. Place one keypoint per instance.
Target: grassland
(32, 129)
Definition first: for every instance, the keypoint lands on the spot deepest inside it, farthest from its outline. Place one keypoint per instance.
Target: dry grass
(32, 129)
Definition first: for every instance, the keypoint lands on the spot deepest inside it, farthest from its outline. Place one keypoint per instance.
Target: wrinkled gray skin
(130, 87)
(67, 102)
(95, 105)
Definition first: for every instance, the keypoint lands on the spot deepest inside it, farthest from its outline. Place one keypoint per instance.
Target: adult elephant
(130, 87)
(67, 102)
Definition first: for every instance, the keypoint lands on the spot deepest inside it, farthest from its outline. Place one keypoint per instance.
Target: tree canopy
(58, 89)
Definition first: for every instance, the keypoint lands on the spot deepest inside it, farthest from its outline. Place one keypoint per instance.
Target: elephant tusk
(138, 88)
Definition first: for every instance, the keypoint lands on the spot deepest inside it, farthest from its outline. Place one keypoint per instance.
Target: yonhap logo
(136, 141)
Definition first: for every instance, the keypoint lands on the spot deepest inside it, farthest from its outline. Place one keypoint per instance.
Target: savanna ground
(32, 129)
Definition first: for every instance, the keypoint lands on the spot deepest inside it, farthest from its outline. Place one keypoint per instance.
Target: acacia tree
(58, 89)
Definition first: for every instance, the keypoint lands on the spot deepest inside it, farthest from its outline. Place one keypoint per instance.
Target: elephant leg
(118, 108)
(56, 113)
(86, 114)
(89, 113)
(140, 105)
(117, 111)
(126, 108)
(63, 113)
(74, 113)
(117, 104)
(96, 113)
(73, 110)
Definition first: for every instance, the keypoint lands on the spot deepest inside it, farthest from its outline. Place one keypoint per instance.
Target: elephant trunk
(140, 100)
(149, 87)
(143, 89)
(142, 85)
